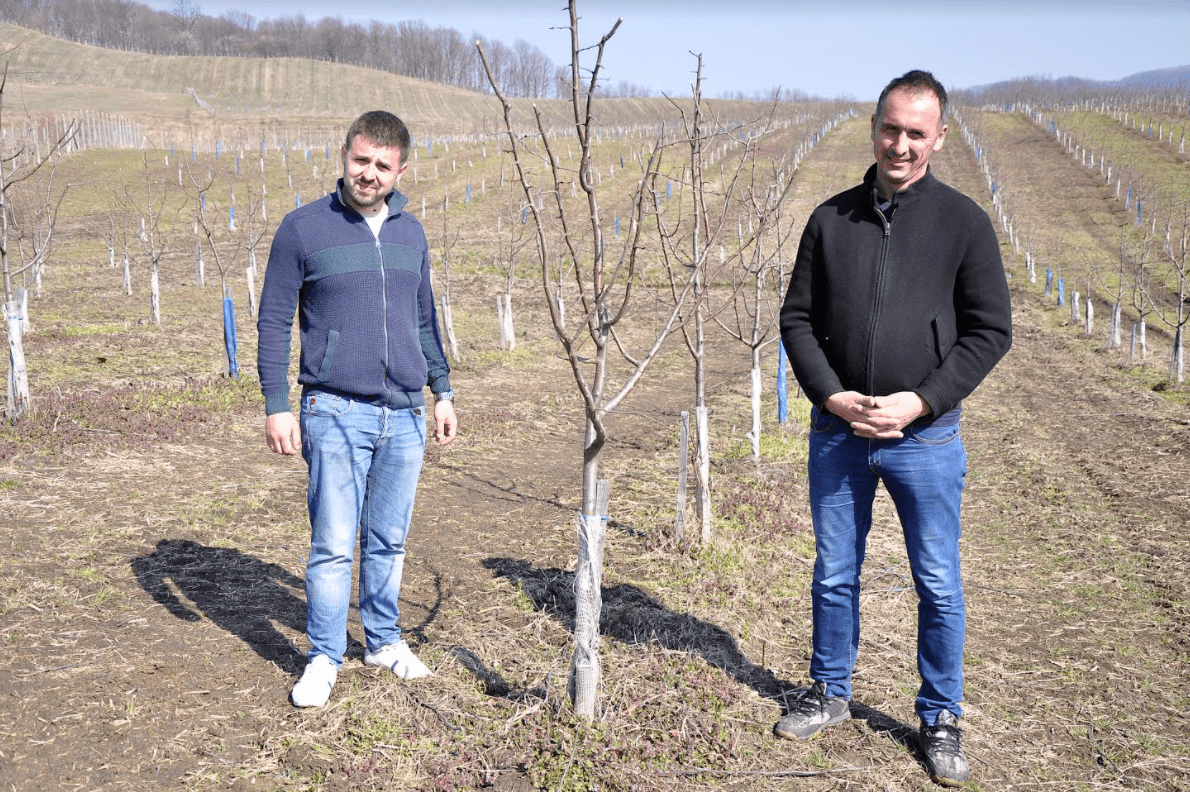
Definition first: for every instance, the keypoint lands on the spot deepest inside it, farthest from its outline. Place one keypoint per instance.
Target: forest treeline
(410, 48)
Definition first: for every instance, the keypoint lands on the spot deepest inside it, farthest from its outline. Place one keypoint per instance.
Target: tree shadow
(493, 684)
(239, 592)
(632, 616)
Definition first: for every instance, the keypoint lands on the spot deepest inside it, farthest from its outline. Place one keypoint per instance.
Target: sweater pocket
(324, 372)
(942, 337)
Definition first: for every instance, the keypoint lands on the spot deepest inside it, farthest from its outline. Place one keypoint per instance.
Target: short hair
(917, 81)
(383, 129)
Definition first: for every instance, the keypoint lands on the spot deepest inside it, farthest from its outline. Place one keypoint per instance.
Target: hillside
(49, 75)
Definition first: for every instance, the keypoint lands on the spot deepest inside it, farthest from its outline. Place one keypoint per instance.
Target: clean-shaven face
(905, 137)
(369, 173)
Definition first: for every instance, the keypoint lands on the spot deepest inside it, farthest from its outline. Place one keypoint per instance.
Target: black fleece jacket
(910, 299)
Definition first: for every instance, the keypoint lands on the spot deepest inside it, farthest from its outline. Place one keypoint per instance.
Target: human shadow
(239, 592)
(632, 616)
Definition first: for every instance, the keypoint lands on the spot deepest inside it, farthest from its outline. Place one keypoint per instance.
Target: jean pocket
(327, 405)
(822, 421)
(933, 435)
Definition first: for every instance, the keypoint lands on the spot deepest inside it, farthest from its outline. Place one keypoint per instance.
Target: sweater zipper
(383, 315)
(876, 302)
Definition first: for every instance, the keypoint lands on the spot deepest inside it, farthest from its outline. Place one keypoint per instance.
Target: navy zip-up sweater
(368, 324)
(912, 299)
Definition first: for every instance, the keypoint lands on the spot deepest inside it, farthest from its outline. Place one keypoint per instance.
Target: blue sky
(823, 48)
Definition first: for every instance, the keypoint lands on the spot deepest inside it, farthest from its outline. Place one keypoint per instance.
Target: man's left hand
(446, 423)
(888, 415)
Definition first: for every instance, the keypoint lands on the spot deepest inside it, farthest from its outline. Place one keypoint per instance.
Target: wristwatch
(446, 395)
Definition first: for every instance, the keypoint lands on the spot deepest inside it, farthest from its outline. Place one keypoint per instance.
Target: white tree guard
(585, 671)
(251, 290)
(154, 297)
(18, 376)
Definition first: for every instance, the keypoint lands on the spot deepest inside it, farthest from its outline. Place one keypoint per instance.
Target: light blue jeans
(924, 473)
(364, 462)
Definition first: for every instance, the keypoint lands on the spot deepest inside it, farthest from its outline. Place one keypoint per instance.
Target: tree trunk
(703, 457)
(756, 388)
(683, 473)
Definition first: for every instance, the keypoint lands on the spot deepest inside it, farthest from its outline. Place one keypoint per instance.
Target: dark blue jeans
(924, 473)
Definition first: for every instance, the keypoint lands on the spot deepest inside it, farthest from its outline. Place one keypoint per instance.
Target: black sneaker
(811, 712)
(942, 746)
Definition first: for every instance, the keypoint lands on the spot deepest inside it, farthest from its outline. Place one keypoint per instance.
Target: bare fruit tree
(1176, 256)
(28, 215)
(758, 281)
(689, 239)
(604, 281)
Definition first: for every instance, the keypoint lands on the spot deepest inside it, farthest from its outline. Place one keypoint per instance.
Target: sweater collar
(902, 197)
(396, 199)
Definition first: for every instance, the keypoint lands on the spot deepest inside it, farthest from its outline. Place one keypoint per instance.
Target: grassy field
(151, 597)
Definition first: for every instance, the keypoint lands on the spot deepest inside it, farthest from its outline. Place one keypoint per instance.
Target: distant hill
(1158, 79)
(1176, 78)
(50, 75)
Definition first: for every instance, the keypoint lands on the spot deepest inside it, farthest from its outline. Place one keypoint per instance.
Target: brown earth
(152, 611)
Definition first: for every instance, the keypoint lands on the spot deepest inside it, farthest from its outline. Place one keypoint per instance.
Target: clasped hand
(878, 417)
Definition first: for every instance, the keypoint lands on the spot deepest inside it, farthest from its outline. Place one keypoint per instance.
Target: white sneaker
(314, 688)
(399, 659)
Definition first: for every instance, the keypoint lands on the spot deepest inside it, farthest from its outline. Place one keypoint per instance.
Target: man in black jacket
(897, 308)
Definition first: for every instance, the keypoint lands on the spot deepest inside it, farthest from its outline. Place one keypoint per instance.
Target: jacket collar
(396, 200)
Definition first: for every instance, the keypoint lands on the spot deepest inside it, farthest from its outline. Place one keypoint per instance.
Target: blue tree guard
(524, 214)
(782, 397)
(1061, 292)
(1138, 211)
(669, 189)
(231, 219)
(229, 337)
(1049, 281)
(297, 201)
(617, 225)
(218, 148)
(468, 198)
(1128, 199)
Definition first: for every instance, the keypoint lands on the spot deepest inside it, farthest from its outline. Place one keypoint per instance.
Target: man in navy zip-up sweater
(357, 266)
(897, 308)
